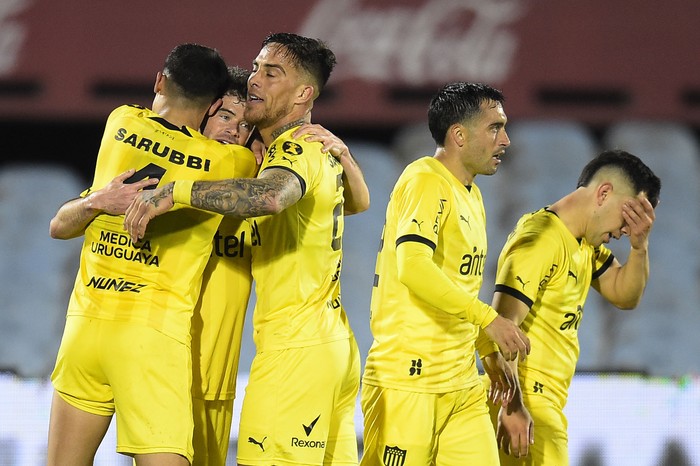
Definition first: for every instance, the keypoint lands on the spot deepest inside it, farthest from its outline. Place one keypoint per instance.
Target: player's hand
(509, 338)
(516, 430)
(639, 216)
(258, 149)
(503, 380)
(146, 206)
(116, 196)
(317, 133)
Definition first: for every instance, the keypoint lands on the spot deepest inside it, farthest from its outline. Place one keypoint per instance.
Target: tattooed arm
(271, 192)
(75, 215)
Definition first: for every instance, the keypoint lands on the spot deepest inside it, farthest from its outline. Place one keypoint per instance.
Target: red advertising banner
(595, 60)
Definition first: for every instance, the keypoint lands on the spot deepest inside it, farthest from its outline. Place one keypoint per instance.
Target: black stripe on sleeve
(603, 267)
(416, 239)
(514, 293)
(301, 180)
(376, 280)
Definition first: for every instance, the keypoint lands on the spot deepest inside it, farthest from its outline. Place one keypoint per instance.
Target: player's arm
(515, 432)
(75, 215)
(271, 192)
(623, 285)
(415, 265)
(499, 372)
(356, 192)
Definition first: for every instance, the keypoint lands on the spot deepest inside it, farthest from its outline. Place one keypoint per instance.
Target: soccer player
(126, 345)
(546, 267)
(299, 404)
(421, 396)
(217, 323)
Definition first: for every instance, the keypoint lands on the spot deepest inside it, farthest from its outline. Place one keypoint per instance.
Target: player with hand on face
(545, 270)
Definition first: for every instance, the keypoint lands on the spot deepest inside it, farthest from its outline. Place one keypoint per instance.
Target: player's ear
(604, 190)
(306, 93)
(457, 134)
(215, 106)
(160, 82)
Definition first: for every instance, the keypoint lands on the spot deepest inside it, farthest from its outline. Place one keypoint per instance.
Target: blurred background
(578, 77)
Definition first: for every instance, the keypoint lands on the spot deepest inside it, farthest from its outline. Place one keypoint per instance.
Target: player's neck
(570, 210)
(273, 132)
(179, 113)
(454, 165)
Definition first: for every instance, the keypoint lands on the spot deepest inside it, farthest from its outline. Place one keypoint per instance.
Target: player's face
(487, 139)
(228, 125)
(272, 87)
(608, 221)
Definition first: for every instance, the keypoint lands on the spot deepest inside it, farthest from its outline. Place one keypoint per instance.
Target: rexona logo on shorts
(302, 443)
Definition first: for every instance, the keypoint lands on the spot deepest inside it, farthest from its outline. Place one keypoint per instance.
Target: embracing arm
(72, 218)
(271, 192)
(75, 215)
(623, 285)
(356, 191)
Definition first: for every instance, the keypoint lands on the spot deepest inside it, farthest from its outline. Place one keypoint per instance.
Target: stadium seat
(362, 235)
(37, 272)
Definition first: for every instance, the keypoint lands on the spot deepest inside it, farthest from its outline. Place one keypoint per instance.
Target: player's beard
(265, 117)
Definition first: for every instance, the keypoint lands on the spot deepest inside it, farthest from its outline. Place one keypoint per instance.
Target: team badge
(394, 456)
(292, 148)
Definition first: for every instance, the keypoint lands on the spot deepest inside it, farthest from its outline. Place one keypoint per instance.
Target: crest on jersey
(394, 456)
(292, 148)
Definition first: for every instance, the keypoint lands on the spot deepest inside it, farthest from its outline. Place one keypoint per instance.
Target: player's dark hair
(199, 72)
(457, 102)
(312, 55)
(637, 173)
(238, 81)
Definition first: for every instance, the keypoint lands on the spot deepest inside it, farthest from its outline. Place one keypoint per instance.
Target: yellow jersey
(418, 347)
(543, 265)
(155, 282)
(297, 266)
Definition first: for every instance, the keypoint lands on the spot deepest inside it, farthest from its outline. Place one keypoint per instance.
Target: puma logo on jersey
(571, 274)
(255, 442)
(287, 159)
(520, 280)
(461, 217)
(413, 220)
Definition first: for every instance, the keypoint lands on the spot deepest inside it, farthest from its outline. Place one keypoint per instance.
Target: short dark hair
(457, 102)
(238, 81)
(199, 72)
(637, 173)
(312, 55)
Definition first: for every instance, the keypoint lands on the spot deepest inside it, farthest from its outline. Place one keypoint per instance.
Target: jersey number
(149, 171)
(337, 241)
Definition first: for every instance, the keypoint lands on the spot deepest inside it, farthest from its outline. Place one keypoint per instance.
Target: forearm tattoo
(248, 197)
(164, 193)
